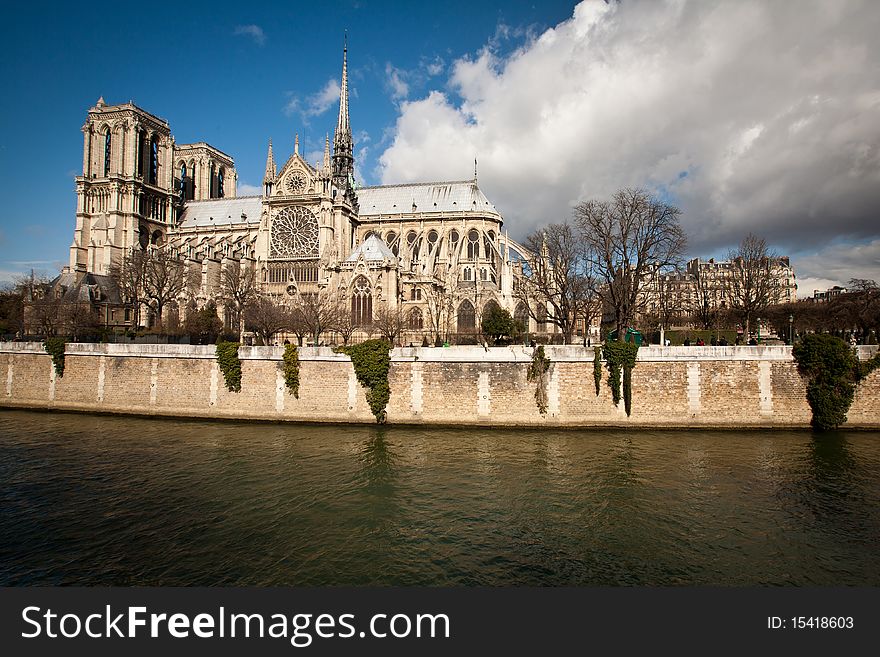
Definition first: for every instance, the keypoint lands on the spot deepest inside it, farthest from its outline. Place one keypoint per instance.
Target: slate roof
(373, 249)
(221, 212)
(445, 197)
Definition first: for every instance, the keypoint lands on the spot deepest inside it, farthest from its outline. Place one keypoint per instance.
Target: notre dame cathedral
(313, 230)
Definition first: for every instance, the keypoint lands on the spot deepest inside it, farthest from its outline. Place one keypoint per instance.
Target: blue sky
(231, 74)
(751, 116)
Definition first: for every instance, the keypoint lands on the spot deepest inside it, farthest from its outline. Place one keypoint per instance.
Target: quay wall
(672, 386)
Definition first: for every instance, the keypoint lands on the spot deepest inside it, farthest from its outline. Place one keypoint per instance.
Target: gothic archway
(467, 320)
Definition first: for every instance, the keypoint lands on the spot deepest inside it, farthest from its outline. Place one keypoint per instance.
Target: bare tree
(559, 286)
(265, 317)
(705, 303)
(238, 288)
(344, 322)
(165, 279)
(317, 311)
(750, 282)
(388, 322)
(129, 274)
(626, 237)
(440, 307)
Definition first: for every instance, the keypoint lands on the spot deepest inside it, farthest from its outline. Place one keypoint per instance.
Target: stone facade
(313, 231)
(673, 386)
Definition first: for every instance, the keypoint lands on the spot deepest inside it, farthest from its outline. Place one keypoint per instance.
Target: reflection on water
(107, 500)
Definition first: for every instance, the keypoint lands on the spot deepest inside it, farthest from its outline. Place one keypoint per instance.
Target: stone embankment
(672, 386)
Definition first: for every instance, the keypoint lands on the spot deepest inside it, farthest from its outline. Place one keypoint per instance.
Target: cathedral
(434, 252)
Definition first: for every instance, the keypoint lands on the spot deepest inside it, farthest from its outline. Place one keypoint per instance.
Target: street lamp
(758, 320)
(790, 333)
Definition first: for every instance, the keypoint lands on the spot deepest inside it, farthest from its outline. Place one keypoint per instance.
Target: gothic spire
(327, 152)
(343, 126)
(269, 178)
(296, 144)
(343, 144)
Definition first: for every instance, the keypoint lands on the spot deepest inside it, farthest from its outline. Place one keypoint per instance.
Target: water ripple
(128, 501)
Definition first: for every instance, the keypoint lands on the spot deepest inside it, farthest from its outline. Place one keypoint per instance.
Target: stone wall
(672, 386)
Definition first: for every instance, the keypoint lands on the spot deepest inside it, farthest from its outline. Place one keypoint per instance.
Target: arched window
(183, 180)
(489, 246)
(521, 316)
(211, 187)
(467, 320)
(154, 161)
(416, 294)
(466, 275)
(140, 152)
(192, 183)
(361, 302)
(220, 183)
(473, 246)
(413, 245)
(453, 242)
(391, 241)
(542, 319)
(490, 306)
(107, 147)
(416, 320)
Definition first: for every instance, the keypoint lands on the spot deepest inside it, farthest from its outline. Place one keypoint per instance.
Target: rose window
(294, 234)
(296, 182)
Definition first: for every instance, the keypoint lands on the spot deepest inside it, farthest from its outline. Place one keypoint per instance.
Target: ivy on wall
(537, 372)
(291, 369)
(371, 361)
(620, 356)
(597, 367)
(230, 365)
(55, 348)
(832, 371)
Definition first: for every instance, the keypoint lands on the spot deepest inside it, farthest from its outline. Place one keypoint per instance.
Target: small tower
(343, 144)
(271, 174)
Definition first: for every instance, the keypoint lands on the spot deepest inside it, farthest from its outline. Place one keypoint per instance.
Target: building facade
(435, 252)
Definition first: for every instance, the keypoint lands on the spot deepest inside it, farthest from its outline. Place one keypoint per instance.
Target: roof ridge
(419, 184)
(217, 200)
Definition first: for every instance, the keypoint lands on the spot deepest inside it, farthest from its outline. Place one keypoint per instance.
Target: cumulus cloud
(316, 103)
(255, 32)
(751, 116)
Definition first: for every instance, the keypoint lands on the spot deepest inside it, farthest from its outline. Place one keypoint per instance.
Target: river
(104, 500)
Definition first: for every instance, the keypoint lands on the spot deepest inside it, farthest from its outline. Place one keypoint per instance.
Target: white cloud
(316, 103)
(751, 116)
(434, 66)
(395, 80)
(244, 189)
(255, 32)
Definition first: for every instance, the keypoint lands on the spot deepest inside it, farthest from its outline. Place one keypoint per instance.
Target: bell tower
(125, 195)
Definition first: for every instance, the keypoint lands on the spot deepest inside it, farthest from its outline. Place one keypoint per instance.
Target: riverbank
(703, 387)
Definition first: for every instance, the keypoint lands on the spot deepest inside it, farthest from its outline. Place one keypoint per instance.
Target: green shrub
(371, 361)
(291, 369)
(230, 365)
(621, 355)
(55, 348)
(831, 369)
(597, 367)
(537, 372)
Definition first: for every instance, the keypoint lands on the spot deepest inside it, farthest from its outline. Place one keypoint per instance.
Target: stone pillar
(87, 150)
